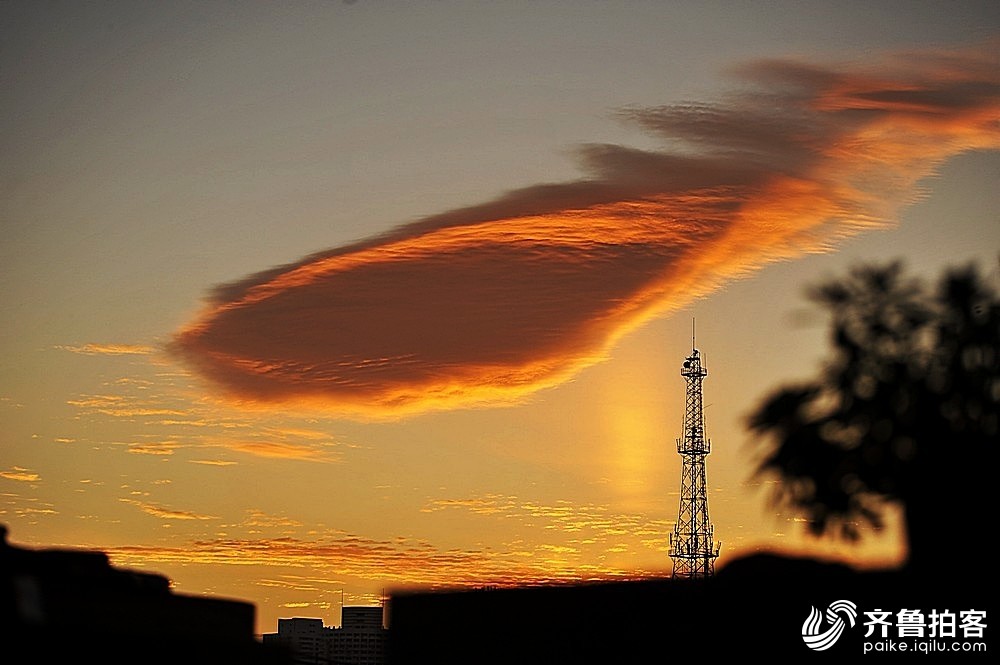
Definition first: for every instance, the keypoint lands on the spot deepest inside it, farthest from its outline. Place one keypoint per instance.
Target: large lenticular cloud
(492, 302)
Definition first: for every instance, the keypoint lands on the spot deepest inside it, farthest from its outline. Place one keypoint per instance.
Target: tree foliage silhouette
(905, 411)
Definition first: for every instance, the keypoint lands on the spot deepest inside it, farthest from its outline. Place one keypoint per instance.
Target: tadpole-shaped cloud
(492, 302)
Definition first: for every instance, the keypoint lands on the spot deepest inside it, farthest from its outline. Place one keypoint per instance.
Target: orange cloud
(155, 448)
(202, 427)
(400, 561)
(588, 523)
(258, 518)
(279, 449)
(489, 303)
(166, 513)
(120, 406)
(110, 349)
(21, 474)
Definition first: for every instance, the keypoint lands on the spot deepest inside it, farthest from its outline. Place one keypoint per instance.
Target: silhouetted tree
(906, 410)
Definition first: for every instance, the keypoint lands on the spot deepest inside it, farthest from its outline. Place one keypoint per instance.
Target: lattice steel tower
(692, 544)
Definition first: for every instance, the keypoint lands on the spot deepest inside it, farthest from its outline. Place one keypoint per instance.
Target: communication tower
(692, 544)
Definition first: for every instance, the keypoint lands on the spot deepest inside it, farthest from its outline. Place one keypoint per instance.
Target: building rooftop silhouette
(74, 606)
(360, 640)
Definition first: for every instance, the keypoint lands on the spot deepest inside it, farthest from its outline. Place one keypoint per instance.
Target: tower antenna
(692, 544)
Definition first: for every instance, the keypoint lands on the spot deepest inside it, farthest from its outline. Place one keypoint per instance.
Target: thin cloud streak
(490, 303)
(20, 474)
(166, 513)
(121, 406)
(199, 428)
(588, 524)
(280, 450)
(110, 349)
(582, 543)
(401, 562)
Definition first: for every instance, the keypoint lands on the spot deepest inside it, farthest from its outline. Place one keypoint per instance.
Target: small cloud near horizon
(490, 303)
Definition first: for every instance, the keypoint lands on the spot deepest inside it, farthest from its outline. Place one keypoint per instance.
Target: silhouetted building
(62, 605)
(306, 639)
(361, 639)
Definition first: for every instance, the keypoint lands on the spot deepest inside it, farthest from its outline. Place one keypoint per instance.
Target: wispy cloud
(399, 561)
(587, 524)
(122, 406)
(21, 474)
(110, 349)
(35, 511)
(279, 449)
(154, 448)
(492, 302)
(166, 513)
(258, 518)
(205, 426)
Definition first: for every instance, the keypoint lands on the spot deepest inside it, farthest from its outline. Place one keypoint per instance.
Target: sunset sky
(303, 299)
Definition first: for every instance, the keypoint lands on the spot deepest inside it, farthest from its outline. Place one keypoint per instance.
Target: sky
(305, 302)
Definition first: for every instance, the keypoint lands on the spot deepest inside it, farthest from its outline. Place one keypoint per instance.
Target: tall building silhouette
(692, 544)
